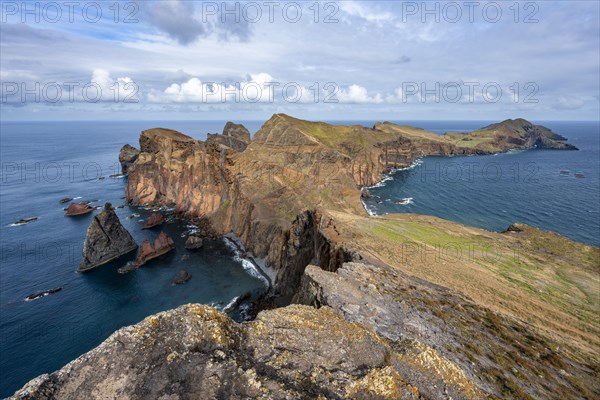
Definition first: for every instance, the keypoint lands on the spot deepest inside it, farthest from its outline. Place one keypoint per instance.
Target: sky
(329, 60)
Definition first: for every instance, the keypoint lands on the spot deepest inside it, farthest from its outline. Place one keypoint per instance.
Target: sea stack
(106, 240)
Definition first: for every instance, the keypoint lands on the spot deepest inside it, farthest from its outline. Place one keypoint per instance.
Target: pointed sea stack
(106, 240)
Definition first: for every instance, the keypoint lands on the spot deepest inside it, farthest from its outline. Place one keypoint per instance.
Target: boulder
(155, 219)
(106, 240)
(78, 209)
(127, 156)
(182, 277)
(193, 242)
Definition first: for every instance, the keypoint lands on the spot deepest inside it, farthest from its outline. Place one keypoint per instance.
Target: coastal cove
(549, 189)
(91, 306)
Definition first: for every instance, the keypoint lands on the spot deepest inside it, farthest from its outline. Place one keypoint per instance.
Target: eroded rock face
(127, 156)
(148, 251)
(106, 240)
(154, 219)
(297, 352)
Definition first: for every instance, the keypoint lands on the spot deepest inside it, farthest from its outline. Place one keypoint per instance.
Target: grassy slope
(538, 277)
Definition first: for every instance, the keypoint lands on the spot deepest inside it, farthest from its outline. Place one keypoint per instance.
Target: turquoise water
(43, 162)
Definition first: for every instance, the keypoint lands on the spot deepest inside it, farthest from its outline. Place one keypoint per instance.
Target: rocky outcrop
(401, 308)
(148, 251)
(127, 156)
(235, 136)
(106, 240)
(195, 352)
(155, 219)
(75, 209)
(182, 277)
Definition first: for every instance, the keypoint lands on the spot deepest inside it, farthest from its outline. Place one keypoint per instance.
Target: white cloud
(356, 9)
(255, 88)
(358, 94)
(119, 90)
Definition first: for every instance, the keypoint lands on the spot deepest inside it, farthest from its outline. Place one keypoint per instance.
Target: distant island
(360, 307)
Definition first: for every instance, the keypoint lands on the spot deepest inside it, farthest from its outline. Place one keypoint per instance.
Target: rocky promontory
(127, 156)
(388, 307)
(106, 240)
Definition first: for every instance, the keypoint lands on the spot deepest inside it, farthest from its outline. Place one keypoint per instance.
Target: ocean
(553, 190)
(43, 162)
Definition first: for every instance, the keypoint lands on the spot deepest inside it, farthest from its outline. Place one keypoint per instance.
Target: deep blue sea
(549, 189)
(43, 162)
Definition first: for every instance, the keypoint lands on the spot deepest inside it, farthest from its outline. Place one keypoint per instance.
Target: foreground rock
(235, 136)
(155, 219)
(182, 277)
(195, 352)
(78, 209)
(127, 156)
(148, 251)
(193, 242)
(34, 296)
(106, 240)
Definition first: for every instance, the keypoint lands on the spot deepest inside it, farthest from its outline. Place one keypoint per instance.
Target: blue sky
(372, 60)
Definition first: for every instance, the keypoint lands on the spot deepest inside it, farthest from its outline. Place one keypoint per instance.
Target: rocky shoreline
(350, 312)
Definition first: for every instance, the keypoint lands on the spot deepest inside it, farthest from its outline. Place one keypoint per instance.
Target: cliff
(261, 193)
(401, 306)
